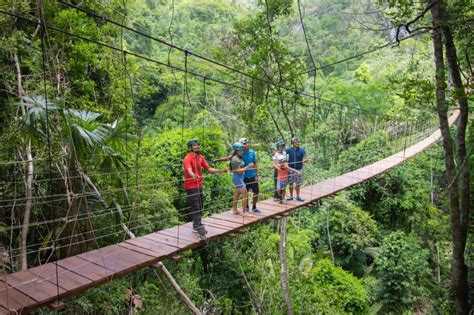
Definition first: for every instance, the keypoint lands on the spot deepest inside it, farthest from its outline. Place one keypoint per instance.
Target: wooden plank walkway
(29, 289)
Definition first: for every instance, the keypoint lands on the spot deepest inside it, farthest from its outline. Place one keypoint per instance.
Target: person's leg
(291, 180)
(282, 192)
(248, 187)
(254, 199)
(235, 201)
(244, 200)
(198, 215)
(276, 194)
(195, 202)
(299, 181)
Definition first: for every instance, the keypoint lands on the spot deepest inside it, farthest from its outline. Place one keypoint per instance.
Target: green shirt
(236, 163)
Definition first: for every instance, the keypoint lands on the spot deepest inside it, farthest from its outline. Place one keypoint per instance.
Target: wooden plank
(140, 250)
(222, 224)
(182, 234)
(3, 310)
(117, 259)
(276, 205)
(160, 249)
(269, 214)
(12, 299)
(168, 240)
(68, 280)
(113, 264)
(33, 286)
(212, 232)
(83, 267)
(268, 207)
(228, 216)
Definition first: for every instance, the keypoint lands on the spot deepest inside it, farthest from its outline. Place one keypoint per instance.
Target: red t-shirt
(195, 162)
(283, 172)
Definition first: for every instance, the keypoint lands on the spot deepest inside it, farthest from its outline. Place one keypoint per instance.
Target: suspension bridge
(47, 284)
(42, 285)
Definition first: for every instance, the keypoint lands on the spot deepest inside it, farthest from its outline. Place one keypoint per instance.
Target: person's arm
(188, 168)
(241, 170)
(276, 166)
(217, 170)
(305, 158)
(191, 173)
(294, 170)
(212, 170)
(275, 162)
(222, 159)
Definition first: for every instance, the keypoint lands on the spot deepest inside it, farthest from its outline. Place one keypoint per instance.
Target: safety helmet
(282, 159)
(191, 142)
(237, 146)
(243, 140)
(280, 143)
(294, 139)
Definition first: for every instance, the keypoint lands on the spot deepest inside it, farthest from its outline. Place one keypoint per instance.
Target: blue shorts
(281, 184)
(238, 180)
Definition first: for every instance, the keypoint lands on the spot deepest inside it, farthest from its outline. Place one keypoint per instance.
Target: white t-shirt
(278, 156)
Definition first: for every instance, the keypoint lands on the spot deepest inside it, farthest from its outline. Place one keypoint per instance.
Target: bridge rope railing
(161, 183)
(142, 186)
(153, 185)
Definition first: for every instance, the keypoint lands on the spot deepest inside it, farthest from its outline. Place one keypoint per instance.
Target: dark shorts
(251, 184)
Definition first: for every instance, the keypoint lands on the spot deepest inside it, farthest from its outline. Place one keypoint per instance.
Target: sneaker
(202, 233)
(281, 201)
(256, 210)
(202, 236)
(199, 229)
(299, 198)
(289, 198)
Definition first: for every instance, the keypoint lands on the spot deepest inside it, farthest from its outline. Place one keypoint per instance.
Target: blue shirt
(249, 157)
(295, 157)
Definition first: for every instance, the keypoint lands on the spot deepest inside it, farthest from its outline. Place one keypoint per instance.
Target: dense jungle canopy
(95, 119)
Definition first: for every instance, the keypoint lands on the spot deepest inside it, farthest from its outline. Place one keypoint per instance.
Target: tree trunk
(458, 266)
(461, 99)
(28, 204)
(284, 269)
(159, 266)
(29, 174)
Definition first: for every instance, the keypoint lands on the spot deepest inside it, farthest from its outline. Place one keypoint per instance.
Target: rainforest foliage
(86, 119)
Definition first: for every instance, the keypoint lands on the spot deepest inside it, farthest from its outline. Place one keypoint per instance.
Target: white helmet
(243, 140)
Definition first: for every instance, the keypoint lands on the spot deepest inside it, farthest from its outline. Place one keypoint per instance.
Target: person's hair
(230, 161)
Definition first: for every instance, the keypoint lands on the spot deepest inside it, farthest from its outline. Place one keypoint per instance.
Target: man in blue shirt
(296, 158)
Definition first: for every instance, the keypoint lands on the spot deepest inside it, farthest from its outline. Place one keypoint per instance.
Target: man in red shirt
(193, 162)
